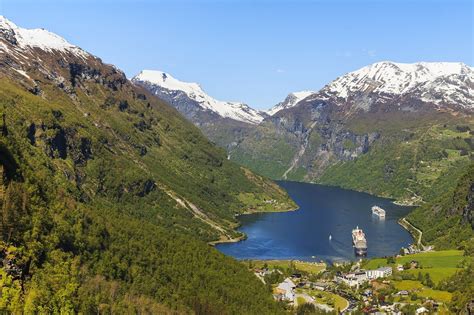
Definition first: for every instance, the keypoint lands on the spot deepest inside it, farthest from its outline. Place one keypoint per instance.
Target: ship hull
(360, 251)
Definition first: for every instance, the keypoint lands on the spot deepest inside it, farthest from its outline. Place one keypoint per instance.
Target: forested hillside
(108, 196)
(403, 131)
(447, 221)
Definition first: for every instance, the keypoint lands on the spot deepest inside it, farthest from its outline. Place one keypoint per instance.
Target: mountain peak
(290, 101)
(35, 38)
(167, 87)
(167, 81)
(433, 82)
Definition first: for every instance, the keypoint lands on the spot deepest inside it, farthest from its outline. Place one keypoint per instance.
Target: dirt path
(198, 213)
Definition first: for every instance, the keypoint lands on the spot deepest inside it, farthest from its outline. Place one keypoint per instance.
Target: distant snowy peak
(168, 84)
(290, 101)
(436, 82)
(34, 38)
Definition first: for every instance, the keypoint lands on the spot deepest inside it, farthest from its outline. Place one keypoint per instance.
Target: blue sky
(256, 51)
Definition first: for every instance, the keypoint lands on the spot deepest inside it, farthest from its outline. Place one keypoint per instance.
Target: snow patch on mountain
(35, 38)
(167, 83)
(290, 101)
(436, 82)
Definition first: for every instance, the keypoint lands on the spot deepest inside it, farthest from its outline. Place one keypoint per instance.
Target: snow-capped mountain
(24, 39)
(291, 100)
(450, 83)
(385, 105)
(186, 95)
(37, 55)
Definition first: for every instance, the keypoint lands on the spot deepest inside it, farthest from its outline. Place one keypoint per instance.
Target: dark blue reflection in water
(323, 211)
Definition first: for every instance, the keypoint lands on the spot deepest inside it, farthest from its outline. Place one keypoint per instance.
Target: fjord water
(304, 234)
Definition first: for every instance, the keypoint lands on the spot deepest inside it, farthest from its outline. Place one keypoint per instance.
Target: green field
(422, 291)
(285, 264)
(436, 295)
(440, 264)
(408, 285)
(333, 300)
(436, 274)
(437, 259)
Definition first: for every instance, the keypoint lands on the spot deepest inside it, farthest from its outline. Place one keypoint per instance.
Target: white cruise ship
(378, 212)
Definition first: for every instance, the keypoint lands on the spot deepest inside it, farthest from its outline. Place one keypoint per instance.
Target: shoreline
(415, 233)
(276, 211)
(411, 229)
(243, 237)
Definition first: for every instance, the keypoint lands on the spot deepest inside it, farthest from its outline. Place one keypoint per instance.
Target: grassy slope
(444, 268)
(309, 267)
(422, 291)
(93, 233)
(440, 264)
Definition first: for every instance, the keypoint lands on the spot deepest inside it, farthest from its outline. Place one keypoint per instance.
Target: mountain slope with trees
(403, 131)
(109, 196)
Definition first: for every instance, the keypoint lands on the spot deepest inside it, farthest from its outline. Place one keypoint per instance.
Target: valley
(125, 190)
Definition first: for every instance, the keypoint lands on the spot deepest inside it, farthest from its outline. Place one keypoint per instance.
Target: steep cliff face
(380, 123)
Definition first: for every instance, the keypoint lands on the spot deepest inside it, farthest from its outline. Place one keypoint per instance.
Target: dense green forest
(447, 221)
(108, 199)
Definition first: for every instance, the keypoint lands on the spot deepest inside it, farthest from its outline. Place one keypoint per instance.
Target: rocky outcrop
(468, 211)
(60, 143)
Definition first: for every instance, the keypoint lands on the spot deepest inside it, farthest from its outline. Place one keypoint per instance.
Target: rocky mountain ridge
(290, 101)
(190, 98)
(384, 104)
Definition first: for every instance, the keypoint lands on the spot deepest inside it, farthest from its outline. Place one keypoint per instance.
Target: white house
(286, 289)
(421, 310)
(381, 272)
(352, 279)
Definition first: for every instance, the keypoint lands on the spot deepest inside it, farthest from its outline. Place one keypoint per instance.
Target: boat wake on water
(338, 247)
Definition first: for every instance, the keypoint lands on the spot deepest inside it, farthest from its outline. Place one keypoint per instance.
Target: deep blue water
(323, 211)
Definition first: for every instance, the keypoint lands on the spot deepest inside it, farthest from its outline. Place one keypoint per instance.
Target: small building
(352, 279)
(421, 310)
(400, 267)
(286, 289)
(402, 293)
(321, 286)
(381, 272)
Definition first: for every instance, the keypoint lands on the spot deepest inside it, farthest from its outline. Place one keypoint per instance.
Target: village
(402, 284)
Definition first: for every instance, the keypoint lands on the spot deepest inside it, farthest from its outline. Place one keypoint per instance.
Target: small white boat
(330, 237)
